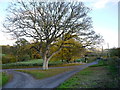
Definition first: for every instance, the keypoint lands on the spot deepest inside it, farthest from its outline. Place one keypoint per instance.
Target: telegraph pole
(102, 51)
(108, 49)
(108, 45)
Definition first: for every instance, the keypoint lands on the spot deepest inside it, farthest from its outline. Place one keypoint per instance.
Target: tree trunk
(46, 60)
(45, 63)
(67, 61)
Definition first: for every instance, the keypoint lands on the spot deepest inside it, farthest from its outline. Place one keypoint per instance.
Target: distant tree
(21, 42)
(115, 52)
(46, 22)
(8, 54)
(33, 52)
(7, 49)
(22, 50)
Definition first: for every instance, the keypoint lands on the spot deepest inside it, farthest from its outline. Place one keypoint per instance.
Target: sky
(104, 15)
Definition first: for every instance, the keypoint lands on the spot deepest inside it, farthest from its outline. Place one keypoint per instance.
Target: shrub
(8, 59)
(80, 60)
(91, 59)
(23, 57)
(113, 61)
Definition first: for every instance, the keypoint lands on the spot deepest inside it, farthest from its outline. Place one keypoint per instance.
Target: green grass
(73, 82)
(0, 79)
(112, 70)
(91, 77)
(41, 74)
(24, 64)
(2, 54)
(36, 63)
(31, 61)
(100, 63)
(29, 64)
(4, 78)
(114, 75)
(101, 75)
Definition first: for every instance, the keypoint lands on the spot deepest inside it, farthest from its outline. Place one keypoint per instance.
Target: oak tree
(46, 22)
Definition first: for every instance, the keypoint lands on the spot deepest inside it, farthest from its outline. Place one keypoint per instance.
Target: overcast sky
(104, 16)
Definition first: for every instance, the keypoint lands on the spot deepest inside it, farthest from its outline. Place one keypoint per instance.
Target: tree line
(22, 50)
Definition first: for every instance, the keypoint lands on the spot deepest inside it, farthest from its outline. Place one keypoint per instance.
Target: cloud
(98, 4)
(113, 42)
(102, 3)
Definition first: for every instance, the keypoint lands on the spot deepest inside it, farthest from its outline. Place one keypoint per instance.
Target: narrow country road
(23, 80)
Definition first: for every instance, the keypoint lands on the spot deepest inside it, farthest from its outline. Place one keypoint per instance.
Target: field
(88, 78)
(29, 64)
(37, 63)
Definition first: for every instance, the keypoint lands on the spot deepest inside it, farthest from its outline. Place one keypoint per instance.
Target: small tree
(46, 22)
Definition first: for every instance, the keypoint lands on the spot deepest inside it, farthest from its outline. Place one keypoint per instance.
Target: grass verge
(4, 78)
(41, 74)
(102, 75)
(91, 77)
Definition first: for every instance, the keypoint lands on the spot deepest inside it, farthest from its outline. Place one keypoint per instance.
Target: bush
(8, 59)
(23, 58)
(113, 61)
(80, 60)
(91, 59)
